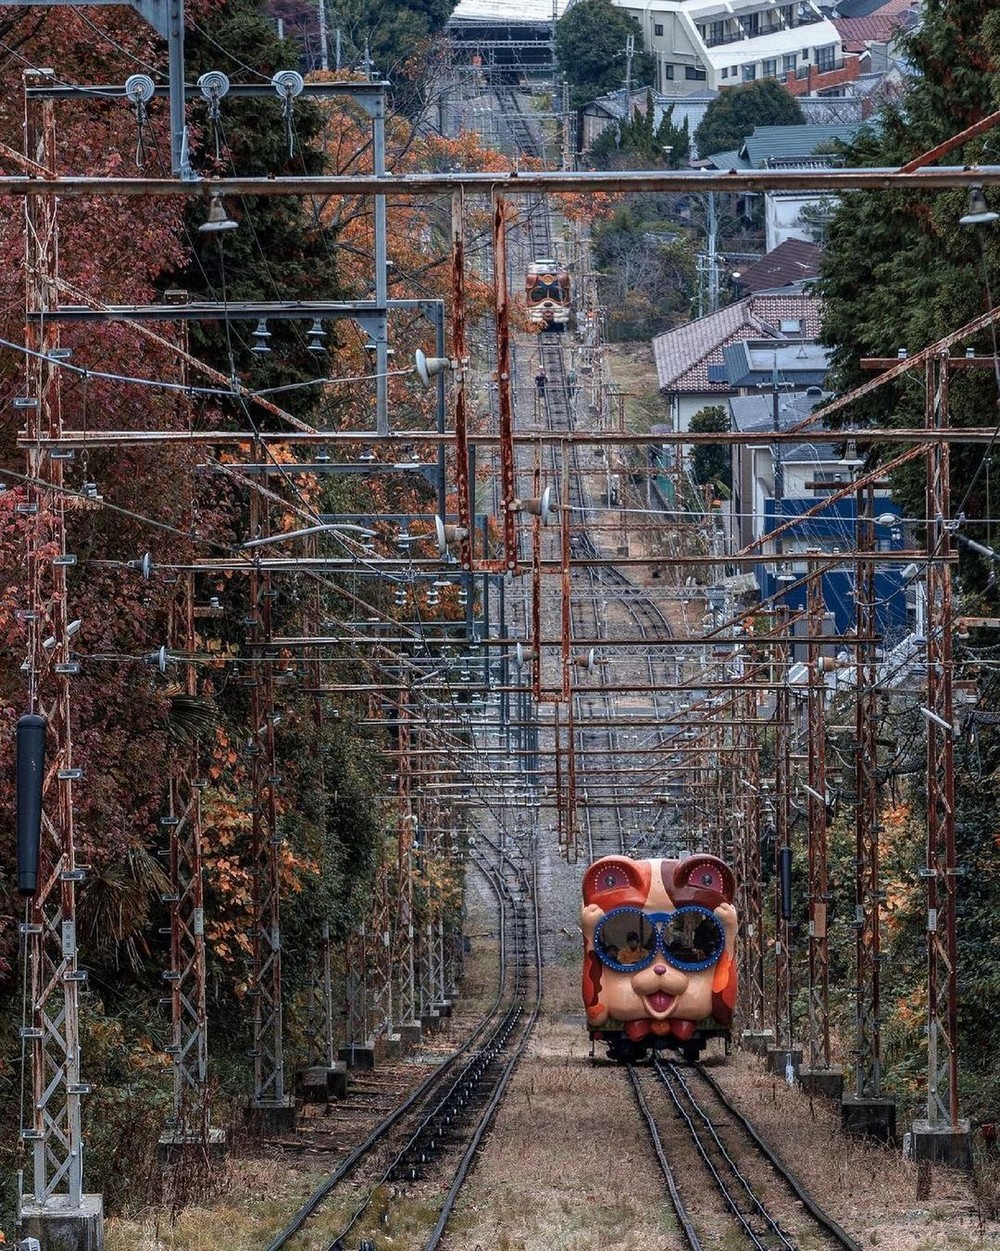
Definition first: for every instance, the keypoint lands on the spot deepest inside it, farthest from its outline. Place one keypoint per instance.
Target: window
(658, 28)
(668, 72)
(770, 69)
(790, 325)
(790, 63)
(749, 73)
(693, 74)
(826, 57)
(725, 72)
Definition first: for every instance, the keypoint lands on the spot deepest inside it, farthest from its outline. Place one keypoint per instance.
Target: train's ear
(704, 875)
(613, 880)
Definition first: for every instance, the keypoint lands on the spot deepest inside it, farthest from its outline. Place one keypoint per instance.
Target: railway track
(603, 601)
(725, 1183)
(429, 1140)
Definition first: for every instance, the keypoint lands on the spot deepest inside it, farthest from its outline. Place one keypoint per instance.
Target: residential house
(787, 147)
(691, 361)
(793, 261)
(775, 484)
(713, 44)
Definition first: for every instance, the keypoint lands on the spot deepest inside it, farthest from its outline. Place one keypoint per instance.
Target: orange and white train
(659, 954)
(547, 288)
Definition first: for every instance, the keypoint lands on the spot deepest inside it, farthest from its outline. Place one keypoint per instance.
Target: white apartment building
(714, 44)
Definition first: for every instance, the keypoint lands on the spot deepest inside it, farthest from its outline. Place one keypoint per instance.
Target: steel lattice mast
(819, 948)
(54, 1131)
(940, 872)
(867, 1058)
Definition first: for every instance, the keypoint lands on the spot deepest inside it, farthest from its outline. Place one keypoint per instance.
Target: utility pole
(56, 1199)
(819, 1075)
(943, 1135)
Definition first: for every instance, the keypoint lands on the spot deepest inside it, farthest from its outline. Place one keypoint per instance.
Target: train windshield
(690, 938)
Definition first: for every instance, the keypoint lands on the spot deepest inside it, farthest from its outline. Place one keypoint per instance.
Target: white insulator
(213, 85)
(139, 88)
(288, 83)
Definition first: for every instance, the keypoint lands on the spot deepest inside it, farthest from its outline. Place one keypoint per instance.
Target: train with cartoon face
(659, 954)
(546, 286)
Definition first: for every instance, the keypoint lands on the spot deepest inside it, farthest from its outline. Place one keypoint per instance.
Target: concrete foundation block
(443, 1008)
(272, 1116)
(173, 1144)
(778, 1059)
(869, 1118)
(826, 1082)
(411, 1033)
(942, 1144)
(757, 1040)
(320, 1084)
(430, 1022)
(59, 1227)
(358, 1056)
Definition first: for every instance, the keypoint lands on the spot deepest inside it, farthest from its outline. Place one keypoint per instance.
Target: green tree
(590, 48)
(711, 462)
(635, 144)
(737, 110)
(649, 274)
(898, 270)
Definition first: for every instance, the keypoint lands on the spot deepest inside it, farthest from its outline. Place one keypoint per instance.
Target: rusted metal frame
(525, 437)
(566, 577)
(897, 369)
(459, 352)
(819, 890)
(519, 181)
(268, 1043)
(817, 509)
(942, 988)
(782, 839)
(867, 1045)
(505, 406)
(984, 124)
(572, 850)
(750, 903)
(536, 583)
(402, 947)
(558, 754)
(187, 973)
(55, 1131)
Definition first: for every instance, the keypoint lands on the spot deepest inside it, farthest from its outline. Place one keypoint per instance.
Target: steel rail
(465, 1164)
(347, 1166)
(669, 1075)
(680, 1210)
(832, 1227)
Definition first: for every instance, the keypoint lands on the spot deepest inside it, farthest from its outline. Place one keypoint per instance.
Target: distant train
(547, 288)
(659, 954)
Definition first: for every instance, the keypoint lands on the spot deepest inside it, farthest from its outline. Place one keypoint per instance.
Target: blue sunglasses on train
(628, 939)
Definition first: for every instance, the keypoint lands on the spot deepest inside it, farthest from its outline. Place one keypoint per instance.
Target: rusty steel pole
(508, 480)
(867, 1058)
(53, 1032)
(940, 872)
(459, 352)
(267, 1051)
(819, 891)
(782, 832)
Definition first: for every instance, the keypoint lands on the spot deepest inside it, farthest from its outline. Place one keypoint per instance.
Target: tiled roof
(860, 31)
(683, 355)
(786, 143)
(792, 261)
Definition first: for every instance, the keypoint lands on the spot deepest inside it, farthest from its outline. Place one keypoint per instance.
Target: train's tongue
(659, 1001)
